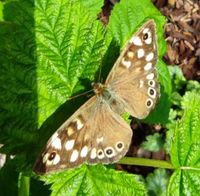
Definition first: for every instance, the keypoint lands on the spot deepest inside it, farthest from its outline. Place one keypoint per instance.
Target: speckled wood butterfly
(96, 133)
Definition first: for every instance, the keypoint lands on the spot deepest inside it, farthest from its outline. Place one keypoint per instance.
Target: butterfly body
(96, 133)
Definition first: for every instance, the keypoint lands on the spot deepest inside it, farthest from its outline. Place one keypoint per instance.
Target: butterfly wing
(133, 79)
(96, 132)
(93, 134)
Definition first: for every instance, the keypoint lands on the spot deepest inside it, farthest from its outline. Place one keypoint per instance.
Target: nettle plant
(52, 50)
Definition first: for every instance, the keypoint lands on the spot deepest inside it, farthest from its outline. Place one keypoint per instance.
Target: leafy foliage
(70, 64)
(154, 143)
(67, 63)
(1, 11)
(18, 98)
(157, 182)
(52, 50)
(96, 180)
(177, 77)
(185, 149)
(70, 46)
(180, 88)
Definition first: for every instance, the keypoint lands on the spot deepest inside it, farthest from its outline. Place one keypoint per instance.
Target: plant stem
(23, 185)
(146, 162)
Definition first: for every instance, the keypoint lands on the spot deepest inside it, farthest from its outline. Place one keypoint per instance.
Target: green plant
(52, 50)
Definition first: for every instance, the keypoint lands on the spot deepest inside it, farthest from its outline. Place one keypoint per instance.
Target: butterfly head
(98, 88)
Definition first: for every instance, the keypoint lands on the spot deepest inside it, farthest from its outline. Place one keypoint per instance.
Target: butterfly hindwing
(133, 79)
(93, 134)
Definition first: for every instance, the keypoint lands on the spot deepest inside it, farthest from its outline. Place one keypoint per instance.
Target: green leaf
(184, 182)
(94, 180)
(94, 6)
(154, 142)
(157, 182)
(178, 83)
(23, 185)
(177, 77)
(61, 78)
(193, 85)
(18, 97)
(70, 46)
(1, 11)
(185, 150)
(170, 133)
(128, 15)
(52, 50)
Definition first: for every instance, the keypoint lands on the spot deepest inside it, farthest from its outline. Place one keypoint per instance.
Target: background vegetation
(53, 49)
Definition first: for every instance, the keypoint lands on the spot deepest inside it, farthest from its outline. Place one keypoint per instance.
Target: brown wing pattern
(133, 79)
(96, 133)
(93, 134)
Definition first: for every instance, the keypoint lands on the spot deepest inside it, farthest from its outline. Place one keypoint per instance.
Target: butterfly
(96, 132)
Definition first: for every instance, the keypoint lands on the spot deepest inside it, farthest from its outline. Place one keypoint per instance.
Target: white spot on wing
(136, 41)
(84, 151)
(148, 66)
(145, 30)
(56, 160)
(141, 83)
(100, 154)
(45, 158)
(93, 154)
(151, 83)
(74, 156)
(148, 41)
(154, 92)
(119, 146)
(56, 143)
(100, 139)
(69, 144)
(79, 124)
(112, 154)
(55, 135)
(150, 56)
(150, 76)
(149, 103)
(127, 64)
(140, 53)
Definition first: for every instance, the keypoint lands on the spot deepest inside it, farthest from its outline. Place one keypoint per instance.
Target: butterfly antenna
(81, 94)
(100, 70)
(99, 77)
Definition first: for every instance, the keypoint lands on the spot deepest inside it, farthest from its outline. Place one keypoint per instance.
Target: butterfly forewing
(96, 133)
(133, 79)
